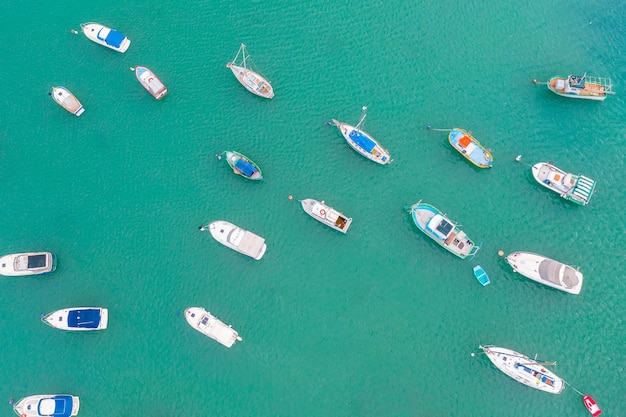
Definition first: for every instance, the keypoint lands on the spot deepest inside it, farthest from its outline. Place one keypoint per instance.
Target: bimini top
(88, 318)
(48, 405)
(111, 37)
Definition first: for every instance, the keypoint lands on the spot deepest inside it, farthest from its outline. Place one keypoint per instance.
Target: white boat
(47, 406)
(326, 214)
(29, 263)
(575, 188)
(64, 98)
(546, 271)
(211, 326)
(238, 239)
(78, 318)
(521, 368)
(106, 36)
(583, 87)
(150, 82)
(362, 142)
(253, 81)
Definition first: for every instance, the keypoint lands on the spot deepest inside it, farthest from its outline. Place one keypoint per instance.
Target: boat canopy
(87, 319)
(59, 405)
(577, 81)
(362, 141)
(113, 38)
(551, 271)
(37, 261)
(440, 226)
(245, 167)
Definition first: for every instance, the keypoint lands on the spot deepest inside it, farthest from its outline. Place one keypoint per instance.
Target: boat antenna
(363, 114)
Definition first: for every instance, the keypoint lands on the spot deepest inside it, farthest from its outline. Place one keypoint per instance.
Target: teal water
(378, 322)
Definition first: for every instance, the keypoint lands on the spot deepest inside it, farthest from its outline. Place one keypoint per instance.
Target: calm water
(378, 322)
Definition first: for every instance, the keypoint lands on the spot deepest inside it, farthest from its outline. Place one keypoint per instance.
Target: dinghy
(481, 275)
(592, 406)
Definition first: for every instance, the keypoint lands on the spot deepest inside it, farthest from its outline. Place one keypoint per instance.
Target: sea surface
(378, 322)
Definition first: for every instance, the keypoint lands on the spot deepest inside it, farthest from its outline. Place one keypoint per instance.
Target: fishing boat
(150, 82)
(242, 165)
(584, 87)
(47, 406)
(78, 318)
(326, 214)
(238, 239)
(106, 36)
(29, 263)
(251, 80)
(530, 372)
(546, 271)
(592, 406)
(470, 148)
(575, 188)
(211, 326)
(442, 230)
(481, 275)
(67, 100)
(362, 142)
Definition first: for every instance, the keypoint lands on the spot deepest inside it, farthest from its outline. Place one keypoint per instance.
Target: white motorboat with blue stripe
(28, 263)
(78, 318)
(47, 406)
(362, 142)
(106, 36)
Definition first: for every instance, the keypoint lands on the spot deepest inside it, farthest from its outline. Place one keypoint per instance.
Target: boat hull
(559, 85)
(244, 166)
(363, 143)
(524, 369)
(592, 406)
(546, 271)
(238, 239)
(64, 98)
(435, 225)
(150, 82)
(326, 214)
(211, 326)
(29, 263)
(56, 405)
(481, 275)
(106, 36)
(575, 188)
(78, 319)
(471, 149)
(252, 81)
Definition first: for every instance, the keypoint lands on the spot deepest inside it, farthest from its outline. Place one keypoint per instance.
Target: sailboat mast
(363, 114)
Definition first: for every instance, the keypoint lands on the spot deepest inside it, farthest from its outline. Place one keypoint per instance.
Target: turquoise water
(378, 322)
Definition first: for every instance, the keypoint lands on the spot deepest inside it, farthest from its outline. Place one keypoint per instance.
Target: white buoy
(519, 158)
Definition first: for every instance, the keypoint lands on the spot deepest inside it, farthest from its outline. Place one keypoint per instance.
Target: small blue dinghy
(481, 275)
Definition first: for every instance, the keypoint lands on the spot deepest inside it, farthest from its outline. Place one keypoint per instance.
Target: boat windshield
(36, 261)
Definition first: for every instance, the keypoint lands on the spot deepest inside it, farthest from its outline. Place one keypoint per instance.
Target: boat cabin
(440, 227)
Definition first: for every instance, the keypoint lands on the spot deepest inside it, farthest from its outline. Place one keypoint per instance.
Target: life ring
(322, 212)
(150, 79)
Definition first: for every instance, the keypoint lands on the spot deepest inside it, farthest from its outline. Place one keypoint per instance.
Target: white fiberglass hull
(238, 239)
(29, 263)
(43, 405)
(546, 271)
(106, 36)
(211, 326)
(326, 214)
(357, 138)
(524, 369)
(70, 319)
(64, 98)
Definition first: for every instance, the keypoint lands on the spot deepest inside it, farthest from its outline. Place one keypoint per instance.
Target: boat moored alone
(470, 148)
(64, 98)
(528, 371)
(442, 230)
(546, 271)
(575, 188)
(150, 82)
(242, 165)
(211, 326)
(326, 214)
(362, 142)
(584, 87)
(47, 406)
(106, 36)
(29, 263)
(78, 318)
(251, 80)
(238, 239)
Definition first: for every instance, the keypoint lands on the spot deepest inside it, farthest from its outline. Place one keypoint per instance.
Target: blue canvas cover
(245, 167)
(114, 38)
(362, 141)
(87, 319)
(62, 405)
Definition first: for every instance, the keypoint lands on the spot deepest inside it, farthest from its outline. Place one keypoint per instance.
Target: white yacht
(211, 326)
(238, 239)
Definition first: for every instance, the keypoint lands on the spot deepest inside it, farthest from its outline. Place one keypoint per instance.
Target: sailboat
(362, 142)
(253, 81)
